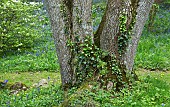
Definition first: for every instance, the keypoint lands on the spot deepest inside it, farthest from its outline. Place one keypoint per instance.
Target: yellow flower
(162, 74)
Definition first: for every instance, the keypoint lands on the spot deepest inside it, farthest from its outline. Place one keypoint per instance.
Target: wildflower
(38, 89)
(163, 104)
(5, 81)
(48, 78)
(8, 103)
(37, 54)
(2, 84)
(162, 74)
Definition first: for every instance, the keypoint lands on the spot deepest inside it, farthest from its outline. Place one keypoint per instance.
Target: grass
(41, 57)
(161, 75)
(152, 91)
(33, 97)
(153, 52)
(29, 78)
(29, 67)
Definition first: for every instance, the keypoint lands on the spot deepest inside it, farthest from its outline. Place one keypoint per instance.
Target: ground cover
(152, 90)
(152, 65)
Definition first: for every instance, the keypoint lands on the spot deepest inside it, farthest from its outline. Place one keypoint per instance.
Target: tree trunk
(69, 18)
(59, 25)
(142, 15)
(109, 30)
(118, 33)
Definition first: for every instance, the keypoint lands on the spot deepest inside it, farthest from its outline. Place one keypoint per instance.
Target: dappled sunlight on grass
(29, 78)
(162, 75)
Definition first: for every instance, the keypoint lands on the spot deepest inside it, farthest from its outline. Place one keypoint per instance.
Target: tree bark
(142, 15)
(109, 31)
(69, 18)
(59, 25)
(109, 27)
(118, 33)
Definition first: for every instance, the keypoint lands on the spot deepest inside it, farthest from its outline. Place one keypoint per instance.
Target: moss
(80, 98)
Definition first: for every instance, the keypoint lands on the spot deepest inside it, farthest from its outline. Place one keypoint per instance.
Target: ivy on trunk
(106, 56)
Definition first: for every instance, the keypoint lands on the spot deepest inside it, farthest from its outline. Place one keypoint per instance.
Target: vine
(127, 21)
(92, 63)
(89, 62)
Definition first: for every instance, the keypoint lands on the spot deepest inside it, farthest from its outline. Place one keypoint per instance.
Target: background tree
(152, 14)
(116, 40)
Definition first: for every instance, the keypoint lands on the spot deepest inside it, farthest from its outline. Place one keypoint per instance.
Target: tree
(115, 41)
(153, 12)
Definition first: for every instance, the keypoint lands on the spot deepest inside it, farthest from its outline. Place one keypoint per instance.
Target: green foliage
(90, 62)
(124, 36)
(159, 20)
(18, 25)
(153, 52)
(41, 58)
(33, 21)
(161, 23)
(98, 11)
(35, 97)
(149, 91)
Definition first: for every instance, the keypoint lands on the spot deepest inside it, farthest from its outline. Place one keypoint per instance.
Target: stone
(17, 87)
(41, 83)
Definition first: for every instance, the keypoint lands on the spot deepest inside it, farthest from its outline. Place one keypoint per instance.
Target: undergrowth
(148, 92)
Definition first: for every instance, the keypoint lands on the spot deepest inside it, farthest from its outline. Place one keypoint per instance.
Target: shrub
(18, 25)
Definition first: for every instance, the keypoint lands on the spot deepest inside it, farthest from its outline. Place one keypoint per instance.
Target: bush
(18, 25)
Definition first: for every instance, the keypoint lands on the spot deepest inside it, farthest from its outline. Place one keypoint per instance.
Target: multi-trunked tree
(106, 56)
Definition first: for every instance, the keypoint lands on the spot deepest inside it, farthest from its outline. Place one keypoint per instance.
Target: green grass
(152, 90)
(29, 67)
(33, 97)
(29, 78)
(161, 75)
(42, 57)
(154, 52)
